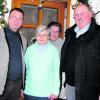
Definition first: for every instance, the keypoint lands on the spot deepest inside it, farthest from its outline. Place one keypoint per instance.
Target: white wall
(95, 4)
(72, 22)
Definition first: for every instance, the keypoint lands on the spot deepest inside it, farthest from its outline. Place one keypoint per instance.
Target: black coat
(80, 59)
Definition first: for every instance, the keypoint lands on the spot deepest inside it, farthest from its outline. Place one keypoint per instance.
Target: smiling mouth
(41, 40)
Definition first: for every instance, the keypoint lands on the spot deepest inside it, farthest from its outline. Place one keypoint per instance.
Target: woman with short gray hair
(42, 68)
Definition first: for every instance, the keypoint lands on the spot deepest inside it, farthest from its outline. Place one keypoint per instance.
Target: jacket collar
(87, 35)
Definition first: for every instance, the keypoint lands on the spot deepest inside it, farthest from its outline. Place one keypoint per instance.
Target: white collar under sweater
(81, 31)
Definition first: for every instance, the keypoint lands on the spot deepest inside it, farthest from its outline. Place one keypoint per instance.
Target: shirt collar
(81, 31)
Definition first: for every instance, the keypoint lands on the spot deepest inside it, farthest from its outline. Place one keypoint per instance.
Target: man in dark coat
(80, 58)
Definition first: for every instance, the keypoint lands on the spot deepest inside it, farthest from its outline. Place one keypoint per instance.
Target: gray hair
(41, 28)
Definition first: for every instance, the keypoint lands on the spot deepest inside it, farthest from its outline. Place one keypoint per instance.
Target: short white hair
(41, 28)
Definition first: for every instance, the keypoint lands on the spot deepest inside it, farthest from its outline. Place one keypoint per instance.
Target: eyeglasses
(54, 31)
(14, 17)
(80, 15)
(43, 35)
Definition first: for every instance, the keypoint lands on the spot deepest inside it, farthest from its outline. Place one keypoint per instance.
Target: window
(35, 16)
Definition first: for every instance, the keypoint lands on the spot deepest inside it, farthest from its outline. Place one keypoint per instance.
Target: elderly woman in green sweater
(42, 68)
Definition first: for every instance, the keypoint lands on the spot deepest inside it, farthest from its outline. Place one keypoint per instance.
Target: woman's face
(54, 33)
(42, 37)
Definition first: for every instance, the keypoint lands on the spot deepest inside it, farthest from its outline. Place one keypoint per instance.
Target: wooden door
(34, 15)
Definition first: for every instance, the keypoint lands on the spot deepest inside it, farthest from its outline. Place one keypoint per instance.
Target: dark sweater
(15, 59)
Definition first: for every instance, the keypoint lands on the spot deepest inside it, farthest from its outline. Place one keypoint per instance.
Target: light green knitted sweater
(42, 70)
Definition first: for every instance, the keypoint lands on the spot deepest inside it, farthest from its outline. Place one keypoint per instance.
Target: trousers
(70, 92)
(28, 97)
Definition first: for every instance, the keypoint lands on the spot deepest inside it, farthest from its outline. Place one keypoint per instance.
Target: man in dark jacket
(80, 59)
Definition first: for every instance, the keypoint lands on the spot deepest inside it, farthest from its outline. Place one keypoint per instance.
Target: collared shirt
(81, 31)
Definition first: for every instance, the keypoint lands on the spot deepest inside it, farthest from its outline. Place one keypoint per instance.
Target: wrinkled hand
(53, 97)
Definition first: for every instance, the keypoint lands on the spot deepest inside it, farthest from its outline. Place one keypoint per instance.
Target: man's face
(15, 20)
(54, 33)
(82, 16)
